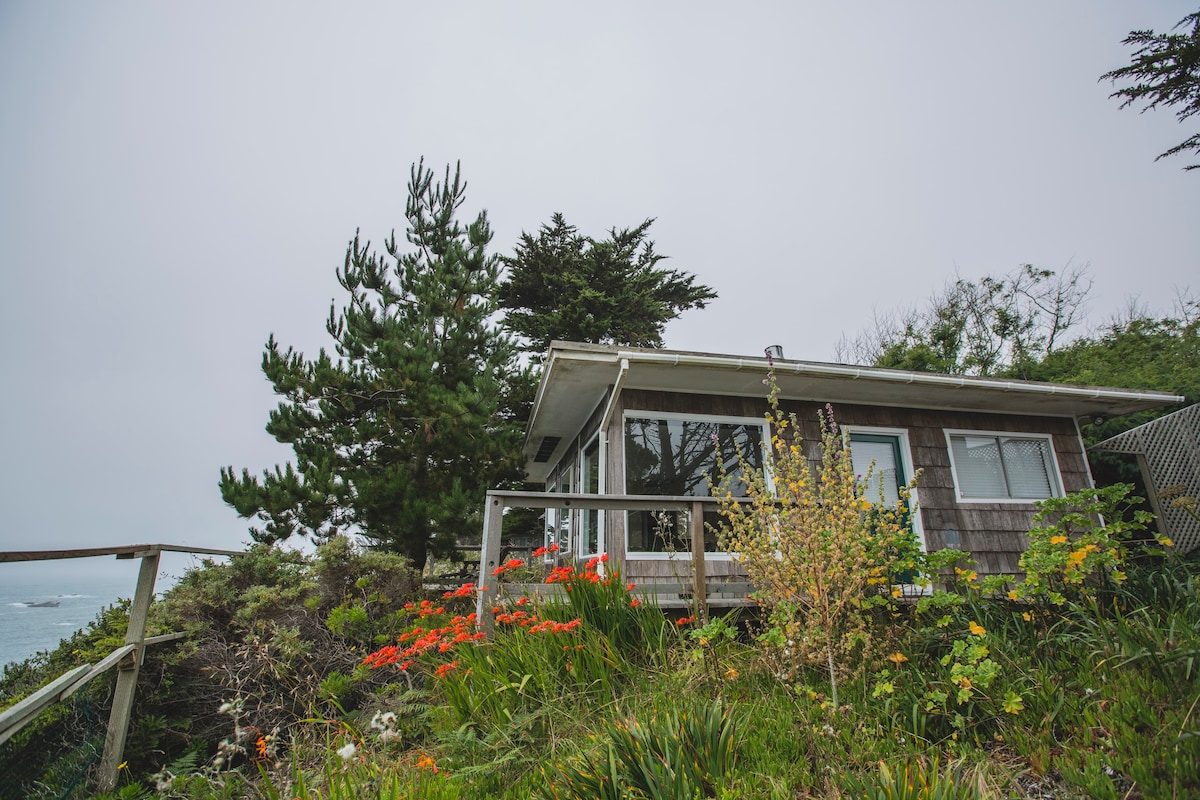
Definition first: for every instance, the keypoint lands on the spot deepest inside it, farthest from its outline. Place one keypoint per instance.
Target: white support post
(127, 672)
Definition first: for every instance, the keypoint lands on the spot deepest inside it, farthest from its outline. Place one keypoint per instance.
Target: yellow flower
(1012, 594)
(123, 765)
(731, 674)
(1027, 616)
(1165, 541)
(977, 629)
(1058, 540)
(897, 658)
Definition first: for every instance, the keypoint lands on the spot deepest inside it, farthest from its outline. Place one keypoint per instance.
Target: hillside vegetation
(339, 675)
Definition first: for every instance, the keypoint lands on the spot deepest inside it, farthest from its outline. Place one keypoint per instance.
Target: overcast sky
(179, 180)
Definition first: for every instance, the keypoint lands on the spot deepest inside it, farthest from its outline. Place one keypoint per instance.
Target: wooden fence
(127, 659)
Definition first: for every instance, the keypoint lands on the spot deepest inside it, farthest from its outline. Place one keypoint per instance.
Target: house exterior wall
(993, 533)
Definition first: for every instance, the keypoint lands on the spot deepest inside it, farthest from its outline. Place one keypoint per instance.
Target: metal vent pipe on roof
(774, 351)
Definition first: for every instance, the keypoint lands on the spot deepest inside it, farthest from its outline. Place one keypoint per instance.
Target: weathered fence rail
(668, 594)
(126, 659)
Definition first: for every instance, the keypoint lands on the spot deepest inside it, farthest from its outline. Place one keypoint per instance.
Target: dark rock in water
(44, 604)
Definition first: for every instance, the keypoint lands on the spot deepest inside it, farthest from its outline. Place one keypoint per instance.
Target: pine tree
(562, 285)
(399, 435)
(1165, 70)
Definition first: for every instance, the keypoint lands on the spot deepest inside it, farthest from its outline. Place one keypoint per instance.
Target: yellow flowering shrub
(823, 558)
(1077, 543)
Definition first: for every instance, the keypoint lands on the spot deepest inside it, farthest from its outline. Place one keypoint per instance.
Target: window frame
(906, 462)
(1053, 476)
(636, 413)
(601, 544)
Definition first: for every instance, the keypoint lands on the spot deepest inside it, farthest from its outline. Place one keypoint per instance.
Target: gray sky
(181, 179)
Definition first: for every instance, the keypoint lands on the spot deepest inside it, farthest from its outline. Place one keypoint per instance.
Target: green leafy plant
(673, 755)
(1078, 543)
(823, 557)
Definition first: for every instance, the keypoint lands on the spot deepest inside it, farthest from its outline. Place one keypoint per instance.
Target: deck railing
(127, 659)
(499, 500)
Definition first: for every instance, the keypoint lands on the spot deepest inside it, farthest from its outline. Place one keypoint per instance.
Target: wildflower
(897, 658)
(604, 558)
(554, 548)
(685, 621)
(498, 570)
(347, 751)
(977, 629)
(541, 551)
(1058, 540)
(513, 563)
(425, 762)
(629, 587)
(1012, 594)
(1027, 616)
(522, 601)
(731, 674)
(634, 603)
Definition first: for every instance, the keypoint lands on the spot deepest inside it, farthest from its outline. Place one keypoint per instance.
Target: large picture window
(1003, 467)
(677, 455)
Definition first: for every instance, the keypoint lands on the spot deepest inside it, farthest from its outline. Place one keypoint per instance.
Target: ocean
(80, 588)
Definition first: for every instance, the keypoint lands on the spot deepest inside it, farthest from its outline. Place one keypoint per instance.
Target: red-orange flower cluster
(685, 621)
(418, 641)
(541, 551)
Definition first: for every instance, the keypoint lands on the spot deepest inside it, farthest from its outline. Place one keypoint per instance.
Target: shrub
(823, 558)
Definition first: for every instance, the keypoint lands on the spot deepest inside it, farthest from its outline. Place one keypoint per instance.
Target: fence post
(127, 672)
(489, 559)
(700, 588)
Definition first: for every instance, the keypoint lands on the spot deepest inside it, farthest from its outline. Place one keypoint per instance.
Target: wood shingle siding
(993, 533)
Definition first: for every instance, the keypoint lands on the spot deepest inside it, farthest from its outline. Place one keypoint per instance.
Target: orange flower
(976, 628)
(513, 563)
(634, 603)
(685, 621)
(897, 658)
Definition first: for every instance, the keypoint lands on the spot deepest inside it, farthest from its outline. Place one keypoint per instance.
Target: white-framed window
(1003, 467)
(591, 521)
(676, 455)
(558, 520)
(889, 452)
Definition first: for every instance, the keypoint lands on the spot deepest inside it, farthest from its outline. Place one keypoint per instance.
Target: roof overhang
(576, 378)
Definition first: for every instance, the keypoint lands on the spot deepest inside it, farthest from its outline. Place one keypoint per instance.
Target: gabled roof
(576, 378)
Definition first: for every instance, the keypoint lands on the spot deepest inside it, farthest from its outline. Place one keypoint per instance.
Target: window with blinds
(1003, 467)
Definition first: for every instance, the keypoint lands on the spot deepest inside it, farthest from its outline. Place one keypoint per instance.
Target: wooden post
(489, 559)
(700, 589)
(127, 672)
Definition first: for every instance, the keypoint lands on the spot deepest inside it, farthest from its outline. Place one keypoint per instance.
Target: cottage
(611, 425)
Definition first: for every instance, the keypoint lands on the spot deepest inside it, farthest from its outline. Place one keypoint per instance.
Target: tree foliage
(1164, 70)
(563, 285)
(979, 328)
(399, 434)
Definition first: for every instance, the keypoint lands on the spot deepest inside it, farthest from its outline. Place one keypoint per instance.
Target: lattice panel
(1170, 446)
